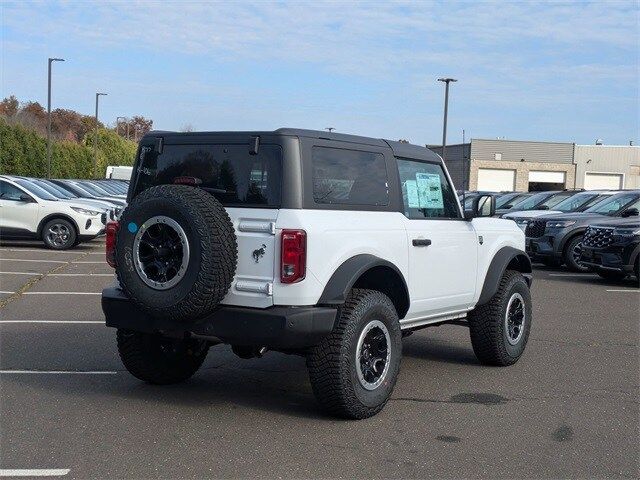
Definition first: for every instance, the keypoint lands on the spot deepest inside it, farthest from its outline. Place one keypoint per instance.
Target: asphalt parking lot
(568, 409)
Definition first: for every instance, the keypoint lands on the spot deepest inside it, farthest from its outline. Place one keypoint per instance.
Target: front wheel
(500, 328)
(571, 255)
(59, 234)
(354, 369)
(160, 360)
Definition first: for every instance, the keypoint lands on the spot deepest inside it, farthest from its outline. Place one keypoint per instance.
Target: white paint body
(26, 216)
(444, 279)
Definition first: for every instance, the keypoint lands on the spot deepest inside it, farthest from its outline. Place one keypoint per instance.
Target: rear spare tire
(176, 252)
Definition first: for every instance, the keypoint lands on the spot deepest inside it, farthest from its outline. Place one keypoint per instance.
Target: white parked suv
(325, 245)
(28, 212)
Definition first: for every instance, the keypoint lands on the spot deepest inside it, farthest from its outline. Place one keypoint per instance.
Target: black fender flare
(501, 260)
(338, 287)
(51, 216)
(568, 237)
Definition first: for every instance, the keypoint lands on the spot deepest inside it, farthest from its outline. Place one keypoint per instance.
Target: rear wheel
(571, 255)
(59, 234)
(354, 369)
(160, 360)
(500, 328)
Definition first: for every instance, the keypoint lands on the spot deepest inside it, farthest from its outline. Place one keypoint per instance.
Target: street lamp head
(56, 60)
(447, 80)
(102, 94)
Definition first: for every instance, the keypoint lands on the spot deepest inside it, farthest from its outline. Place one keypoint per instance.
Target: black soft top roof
(400, 149)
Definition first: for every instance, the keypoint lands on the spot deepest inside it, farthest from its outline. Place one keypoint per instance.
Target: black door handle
(421, 242)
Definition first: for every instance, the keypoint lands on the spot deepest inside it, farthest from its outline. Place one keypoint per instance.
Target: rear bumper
(275, 327)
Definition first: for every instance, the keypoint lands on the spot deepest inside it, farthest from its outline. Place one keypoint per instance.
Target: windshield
(62, 190)
(91, 189)
(531, 202)
(53, 191)
(575, 202)
(35, 190)
(614, 204)
(554, 200)
(508, 198)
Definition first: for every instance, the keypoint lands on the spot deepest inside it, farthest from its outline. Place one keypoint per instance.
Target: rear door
(443, 247)
(247, 184)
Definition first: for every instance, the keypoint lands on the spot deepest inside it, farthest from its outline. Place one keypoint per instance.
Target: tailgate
(255, 272)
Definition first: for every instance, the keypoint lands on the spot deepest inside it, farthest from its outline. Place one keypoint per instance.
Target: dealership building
(510, 165)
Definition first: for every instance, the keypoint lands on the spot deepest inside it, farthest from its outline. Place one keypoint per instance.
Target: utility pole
(446, 109)
(95, 138)
(51, 60)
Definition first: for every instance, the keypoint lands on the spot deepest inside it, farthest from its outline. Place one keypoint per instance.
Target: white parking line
(60, 274)
(30, 260)
(59, 372)
(46, 261)
(34, 472)
(623, 290)
(21, 273)
(54, 321)
(61, 293)
(49, 251)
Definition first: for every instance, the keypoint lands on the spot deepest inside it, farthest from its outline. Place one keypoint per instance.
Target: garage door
(610, 181)
(540, 176)
(496, 180)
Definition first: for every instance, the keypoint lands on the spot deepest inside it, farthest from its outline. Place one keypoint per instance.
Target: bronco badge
(258, 253)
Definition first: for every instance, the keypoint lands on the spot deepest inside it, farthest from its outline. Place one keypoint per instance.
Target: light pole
(95, 138)
(446, 109)
(51, 60)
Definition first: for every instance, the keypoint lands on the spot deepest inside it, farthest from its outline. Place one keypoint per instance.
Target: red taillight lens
(293, 263)
(110, 244)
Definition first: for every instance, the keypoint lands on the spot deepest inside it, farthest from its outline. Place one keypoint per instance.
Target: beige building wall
(620, 159)
(522, 170)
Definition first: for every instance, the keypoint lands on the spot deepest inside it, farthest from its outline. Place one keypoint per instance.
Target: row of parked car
(585, 230)
(60, 212)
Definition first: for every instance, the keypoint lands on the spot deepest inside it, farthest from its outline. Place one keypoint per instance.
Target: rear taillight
(110, 244)
(293, 256)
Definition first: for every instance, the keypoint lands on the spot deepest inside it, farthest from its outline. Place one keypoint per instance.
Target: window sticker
(413, 199)
(429, 190)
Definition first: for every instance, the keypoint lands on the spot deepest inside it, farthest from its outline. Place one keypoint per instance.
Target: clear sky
(526, 70)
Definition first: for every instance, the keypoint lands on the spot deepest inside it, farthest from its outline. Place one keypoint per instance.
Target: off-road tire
(69, 243)
(567, 256)
(331, 364)
(611, 275)
(487, 323)
(160, 360)
(213, 252)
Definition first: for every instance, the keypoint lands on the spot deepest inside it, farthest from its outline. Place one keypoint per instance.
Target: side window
(9, 192)
(426, 192)
(349, 177)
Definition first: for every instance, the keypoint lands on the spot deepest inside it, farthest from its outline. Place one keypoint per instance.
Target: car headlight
(627, 231)
(84, 211)
(562, 224)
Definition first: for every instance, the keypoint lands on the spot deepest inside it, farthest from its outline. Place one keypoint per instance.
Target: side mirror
(507, 206)
(630, 212)
(25, 198)
(543, 207)
(482, 206)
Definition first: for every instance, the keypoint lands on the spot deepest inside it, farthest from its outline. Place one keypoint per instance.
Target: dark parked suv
(556, 239)
(612, 248)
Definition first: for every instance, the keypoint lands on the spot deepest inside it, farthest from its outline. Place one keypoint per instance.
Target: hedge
(24, 152)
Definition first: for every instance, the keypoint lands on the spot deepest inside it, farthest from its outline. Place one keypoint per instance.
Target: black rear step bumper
(277, 327)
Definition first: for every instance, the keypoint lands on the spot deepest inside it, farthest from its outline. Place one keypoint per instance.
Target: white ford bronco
(320, 244)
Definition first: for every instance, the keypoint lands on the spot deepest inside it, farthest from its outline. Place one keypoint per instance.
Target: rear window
(349, 177)
(229, 172)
